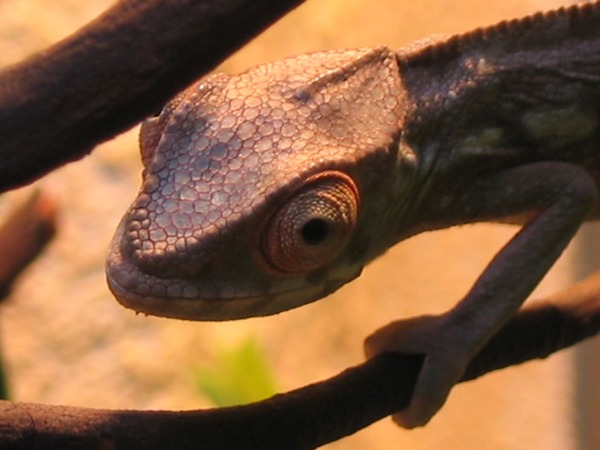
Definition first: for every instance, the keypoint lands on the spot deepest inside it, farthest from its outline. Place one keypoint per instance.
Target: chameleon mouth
(211, 301)
(221, 308)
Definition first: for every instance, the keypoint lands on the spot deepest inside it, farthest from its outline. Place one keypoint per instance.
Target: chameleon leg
(561, 194)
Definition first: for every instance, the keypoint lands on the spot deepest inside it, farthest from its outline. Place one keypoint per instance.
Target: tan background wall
(67, 341)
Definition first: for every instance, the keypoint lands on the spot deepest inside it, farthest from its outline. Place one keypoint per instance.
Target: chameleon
(270, 189)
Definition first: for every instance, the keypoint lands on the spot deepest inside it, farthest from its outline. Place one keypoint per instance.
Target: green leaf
(239, 375)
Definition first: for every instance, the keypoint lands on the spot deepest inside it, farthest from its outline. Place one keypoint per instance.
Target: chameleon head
(253, 189)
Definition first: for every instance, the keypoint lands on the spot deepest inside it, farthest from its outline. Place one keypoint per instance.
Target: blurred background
(65, 340)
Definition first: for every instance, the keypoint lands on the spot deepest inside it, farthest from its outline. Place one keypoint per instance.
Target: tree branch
(58, 104)
(23, 235)
(308, 417)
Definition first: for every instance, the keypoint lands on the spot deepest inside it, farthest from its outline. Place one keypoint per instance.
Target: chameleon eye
(313, 226)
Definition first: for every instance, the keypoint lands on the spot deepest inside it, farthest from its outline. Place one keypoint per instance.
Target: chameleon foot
(444, 364)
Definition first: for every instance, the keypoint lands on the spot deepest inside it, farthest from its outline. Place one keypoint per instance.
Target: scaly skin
(271, 189)
(215, 161)
(227, 152)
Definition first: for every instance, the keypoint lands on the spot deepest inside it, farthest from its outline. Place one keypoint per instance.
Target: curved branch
(58, 104)
(308, 417)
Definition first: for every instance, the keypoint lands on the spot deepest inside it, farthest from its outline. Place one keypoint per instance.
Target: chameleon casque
(270, 189)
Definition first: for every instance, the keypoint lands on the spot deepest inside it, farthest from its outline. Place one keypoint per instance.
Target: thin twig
(23, 235)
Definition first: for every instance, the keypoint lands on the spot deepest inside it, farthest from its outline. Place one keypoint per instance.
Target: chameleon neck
(521, 91)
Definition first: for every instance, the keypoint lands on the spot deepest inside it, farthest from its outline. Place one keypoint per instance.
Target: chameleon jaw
(220, 308)
(217, 309)
(184, 299)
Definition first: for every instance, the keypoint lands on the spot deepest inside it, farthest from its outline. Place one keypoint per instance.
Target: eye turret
(313, 226)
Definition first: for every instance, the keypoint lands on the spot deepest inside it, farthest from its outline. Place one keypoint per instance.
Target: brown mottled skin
(270, 189)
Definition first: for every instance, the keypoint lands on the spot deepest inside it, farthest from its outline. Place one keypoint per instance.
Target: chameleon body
(270, 189)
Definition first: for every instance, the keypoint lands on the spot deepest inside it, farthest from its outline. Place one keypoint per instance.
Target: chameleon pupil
(315, 231)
